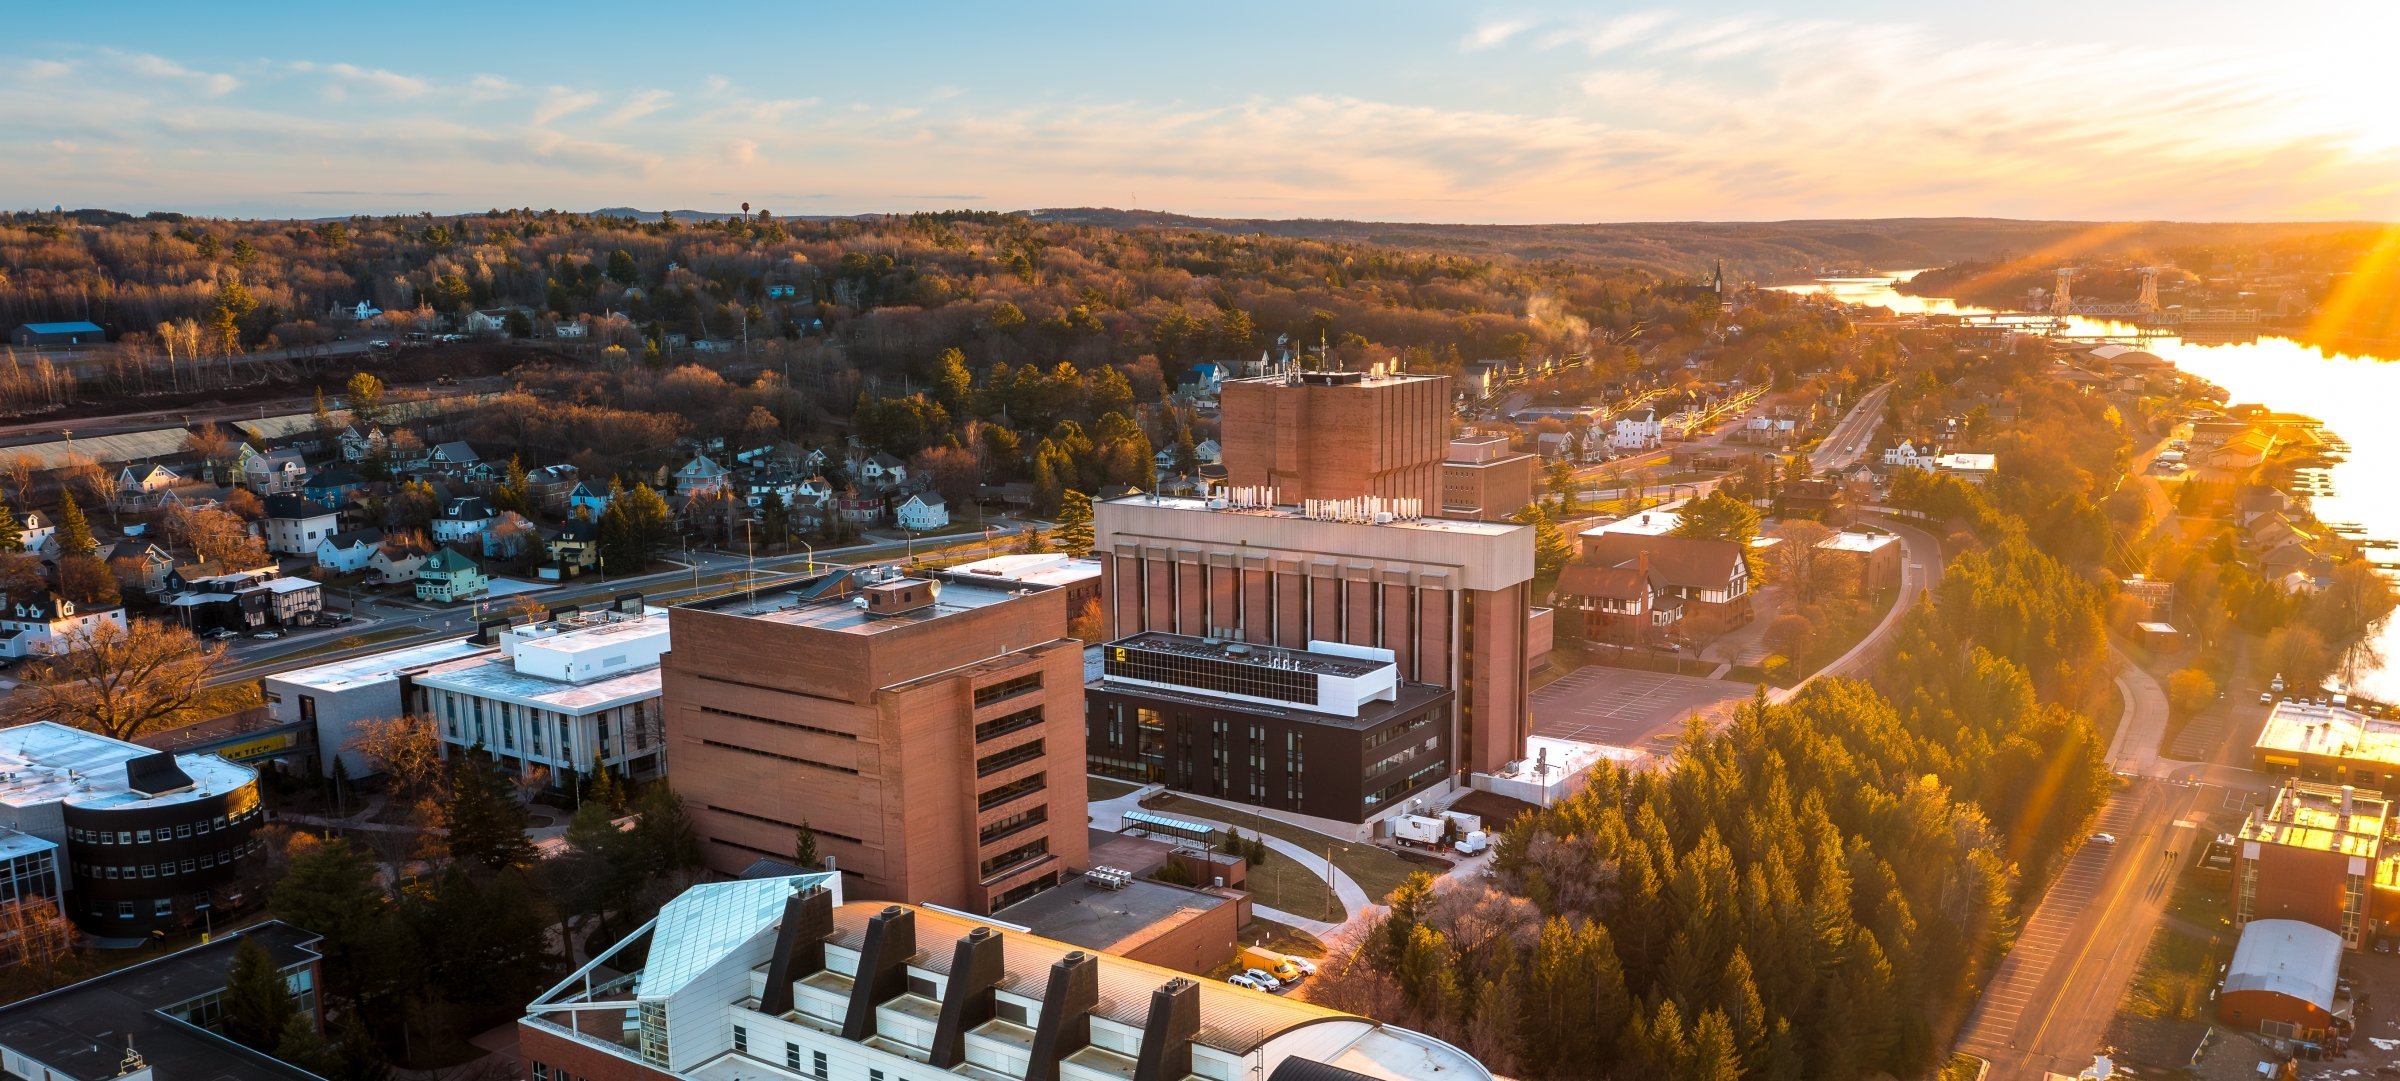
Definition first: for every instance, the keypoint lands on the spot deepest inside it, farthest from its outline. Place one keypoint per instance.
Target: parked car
(2266, 698)
(1243, 979)
(1266, 980)
(2104, 838)
(267, 635)
(1306, 966)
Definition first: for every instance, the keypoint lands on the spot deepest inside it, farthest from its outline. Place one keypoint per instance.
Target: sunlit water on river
(2358, 398)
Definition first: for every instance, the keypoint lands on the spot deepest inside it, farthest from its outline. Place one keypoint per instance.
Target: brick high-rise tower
(1338, 435)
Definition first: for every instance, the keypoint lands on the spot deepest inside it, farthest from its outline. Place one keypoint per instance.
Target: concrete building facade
(1338, 435)
(928, 730)
(1450, 599)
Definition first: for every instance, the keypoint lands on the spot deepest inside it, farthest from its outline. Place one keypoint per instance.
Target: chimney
(1168, 1033)
(977, 965)
(882, 968)
(2346, 793)
(799, 946)
(1066, 1023)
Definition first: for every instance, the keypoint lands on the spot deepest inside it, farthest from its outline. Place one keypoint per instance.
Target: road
(1920, 568)
(1847, 442)
(2048, 1007)
(250, 659)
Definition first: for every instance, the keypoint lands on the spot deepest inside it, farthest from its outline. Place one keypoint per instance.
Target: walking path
(1109, 814)
(1920, 568)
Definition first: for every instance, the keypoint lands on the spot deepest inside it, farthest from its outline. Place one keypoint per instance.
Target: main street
(1847, 442)
(2048, 1006)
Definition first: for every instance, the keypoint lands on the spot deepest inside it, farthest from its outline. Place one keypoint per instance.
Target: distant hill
(1780, 251)
(652, 215)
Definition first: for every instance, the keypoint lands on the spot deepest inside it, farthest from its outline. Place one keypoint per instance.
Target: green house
(448, 576)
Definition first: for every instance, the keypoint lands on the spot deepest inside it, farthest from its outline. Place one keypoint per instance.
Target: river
(2356, 397)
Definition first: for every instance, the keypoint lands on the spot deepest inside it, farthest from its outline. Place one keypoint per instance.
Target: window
(183, 831)
(164, 906)
(200, 826)
(771, 754)
(187, 867)
(1007, 688)
(1002, 827)
(1014, 756)
(1014, 722)
(124, 837)
(308, 707)
(1000, 864)
(541, 1072)
(818, 1066)
(791, 1055)
(1011, 790)
(741, 1039)
(124, 910)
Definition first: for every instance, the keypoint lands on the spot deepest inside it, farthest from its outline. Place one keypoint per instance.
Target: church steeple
(1720, 277)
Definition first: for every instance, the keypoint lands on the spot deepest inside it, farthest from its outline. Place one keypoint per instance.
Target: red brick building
(1338, 435)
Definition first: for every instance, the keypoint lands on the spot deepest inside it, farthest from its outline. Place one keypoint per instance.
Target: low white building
(557, 696)
(1637, 429)
(923, 511)
(339, 696)
(348, 552)
(295, 526)
(46, 624)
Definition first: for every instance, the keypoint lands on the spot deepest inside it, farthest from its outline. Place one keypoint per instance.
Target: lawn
(1377, 870)
(1281, 884)
(2173, 980)
(1100, 788)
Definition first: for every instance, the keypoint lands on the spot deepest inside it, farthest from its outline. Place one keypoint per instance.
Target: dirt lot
(1627, 708)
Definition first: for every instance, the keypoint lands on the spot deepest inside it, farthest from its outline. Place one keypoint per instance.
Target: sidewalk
(1109, 815)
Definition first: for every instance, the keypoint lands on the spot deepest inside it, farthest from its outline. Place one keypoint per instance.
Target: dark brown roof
(1683, 562)
(1580, 579)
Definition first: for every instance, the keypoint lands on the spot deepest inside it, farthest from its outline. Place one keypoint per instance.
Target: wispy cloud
(1494, 33)
(562, 101)
(342, 79)
(643, 104)
(215, 83)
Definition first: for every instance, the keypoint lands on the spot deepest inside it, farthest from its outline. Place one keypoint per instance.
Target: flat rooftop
(2311, 817)
(1649, 523)
(1050, 569)
(1410, 696)
(1849, 541)
(80, 1031)
(1261, 654)
(382, 667)
(498, 678)
(2329, 731)
(1291, 513)
(1112, 921)
(1376, 377)
(578, 632)
(46, 762)
(838, 613)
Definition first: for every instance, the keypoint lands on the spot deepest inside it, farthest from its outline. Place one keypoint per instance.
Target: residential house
(1637, 429)
(462, 518)
(1619, 605)
(295, 526)
(570, 550)
(1818, 499)
(448, 575)
(362, 443)
(494, 320)
(2240, 454)
(586, 501)
(39, 534)
(333, 485)
(43, 624)
(396, 561)
(1907, 455)
(139, 485)
(701, 474)
(546, 488)
(508, 535)
(857, 508)
(1710, 577)
(272, 472)
(347, 552)
(140, 565)
(245, 600)
(571, 329)
(2254, 501)
(455, 458)
(922, 512)
(881, 470)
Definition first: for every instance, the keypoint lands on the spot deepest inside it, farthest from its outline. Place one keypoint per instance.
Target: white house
(923, 511)
(881, 470)
(1637, 429)
(1908, 455)
(295, 526)
(274, 472)
(464, 517)
(571, 328)
(347, 553)
(395, 562)
(43, 624)
(40, 535)
(138, 484)
(360, 444)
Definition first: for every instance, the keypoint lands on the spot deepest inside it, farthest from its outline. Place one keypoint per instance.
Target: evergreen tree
(604, 789)
(332, 892)
(12, 531)
(804, 846)
(485, 825)
(1074, 532)
(1719, 516)
(302, 1046)
(1551, 548)
(257, 1001)
(74, 533)
(666, 834)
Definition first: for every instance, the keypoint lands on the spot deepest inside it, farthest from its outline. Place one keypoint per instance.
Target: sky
(1455, 112)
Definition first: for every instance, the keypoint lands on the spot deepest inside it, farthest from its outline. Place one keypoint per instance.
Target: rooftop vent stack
(882, 968)
(977, 966)
(1066, 1022)
(1167, 1034)
(799, 946)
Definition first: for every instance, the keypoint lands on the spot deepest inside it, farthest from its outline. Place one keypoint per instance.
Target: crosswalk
(2198, 738)
(2022, 973)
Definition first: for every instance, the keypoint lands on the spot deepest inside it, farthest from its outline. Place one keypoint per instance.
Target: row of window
(177, 832)
(165, 869)
(1014, 722)
(817, 1066)
(1014, 756)
(470, 728)
(793, 826)
(1031, 850)
(1002, 827)
(779, 724)
(1011, 790)
(722, 746)
(1006, 688)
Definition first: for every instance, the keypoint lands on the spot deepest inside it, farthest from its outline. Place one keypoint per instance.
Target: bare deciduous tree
(121, 681)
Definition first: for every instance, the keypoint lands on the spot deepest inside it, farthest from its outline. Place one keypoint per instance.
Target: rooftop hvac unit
(1109, 878)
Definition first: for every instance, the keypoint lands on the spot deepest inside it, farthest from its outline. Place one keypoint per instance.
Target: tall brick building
(1482, 478)
(928, 729)
(1451, 599)
(1338, 435)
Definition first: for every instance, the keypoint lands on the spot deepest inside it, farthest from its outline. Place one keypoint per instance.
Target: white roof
(47, 762)
(705, 923)
(1049, 568)
(2287, 957)
(1649, 523)
(1849, 541)
(498, 678)
(378, 667)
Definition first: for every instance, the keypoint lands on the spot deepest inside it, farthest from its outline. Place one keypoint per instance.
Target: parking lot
(1626, 708)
